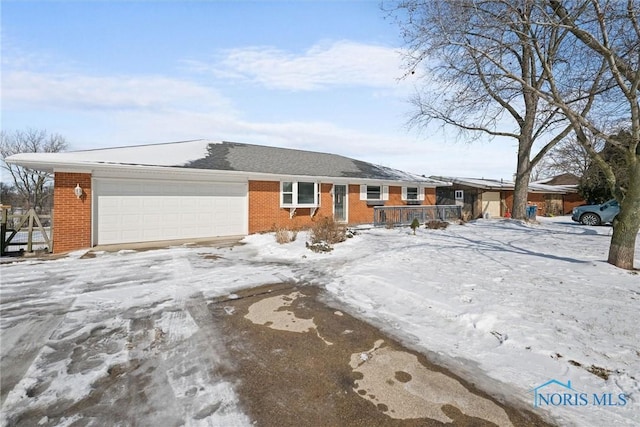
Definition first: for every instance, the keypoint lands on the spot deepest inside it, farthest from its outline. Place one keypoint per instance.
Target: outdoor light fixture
(78, 191)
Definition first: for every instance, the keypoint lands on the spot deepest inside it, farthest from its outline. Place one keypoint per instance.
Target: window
(412, 193)
(306, 193)
(459, 195)
(374, 192)
(287, 193)
(299, 193)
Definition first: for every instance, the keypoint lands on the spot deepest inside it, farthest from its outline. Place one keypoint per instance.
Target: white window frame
(420, 194)
(384, 192)
(459, 194)
(294, 195)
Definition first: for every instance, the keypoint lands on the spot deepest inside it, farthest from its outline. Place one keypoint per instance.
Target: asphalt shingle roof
(226, 156)
(235, 156)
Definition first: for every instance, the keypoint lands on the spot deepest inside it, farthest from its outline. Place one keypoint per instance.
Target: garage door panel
(131, 211)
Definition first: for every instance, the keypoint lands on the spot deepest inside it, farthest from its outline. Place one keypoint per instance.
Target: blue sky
(314, 75)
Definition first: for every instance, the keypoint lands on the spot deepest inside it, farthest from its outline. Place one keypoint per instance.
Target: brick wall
(507, 196)
(265, 212)
(359, 212)
(429, 196)
(539, 200)
(71, 216)
(571, 201)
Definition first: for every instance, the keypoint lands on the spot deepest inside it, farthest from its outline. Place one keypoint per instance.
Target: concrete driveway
(273, 355)
(302, 362)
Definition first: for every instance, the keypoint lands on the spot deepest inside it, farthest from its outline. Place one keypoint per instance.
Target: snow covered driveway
(509, 306)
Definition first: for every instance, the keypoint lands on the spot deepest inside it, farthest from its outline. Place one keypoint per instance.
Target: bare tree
(8, 194)
(608, 30)
(569, 156)
(482, 74)
(30, 184)
(541, 63)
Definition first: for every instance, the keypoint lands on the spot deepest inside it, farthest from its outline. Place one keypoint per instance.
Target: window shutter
(421, 193)
(385, 192)
(404, 193)
(363, 192)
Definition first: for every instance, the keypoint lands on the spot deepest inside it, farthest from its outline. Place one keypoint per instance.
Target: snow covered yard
(509, 306)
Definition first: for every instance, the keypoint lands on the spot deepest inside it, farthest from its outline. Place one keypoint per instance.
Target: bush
(329, 231)
(320, 247)
(284, 235)
(415, 224)
(325, 233)
(436, 224)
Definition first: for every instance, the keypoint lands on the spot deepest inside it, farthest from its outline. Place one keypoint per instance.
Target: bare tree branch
(30, 184)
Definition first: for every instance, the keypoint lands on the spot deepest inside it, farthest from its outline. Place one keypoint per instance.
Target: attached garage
(136, 210)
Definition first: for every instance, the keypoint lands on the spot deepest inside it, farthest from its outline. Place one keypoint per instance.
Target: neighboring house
(568, 182)
(491, 198)
(204, 189)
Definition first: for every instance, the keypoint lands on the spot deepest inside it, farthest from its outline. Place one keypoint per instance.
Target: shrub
(415, 224)
(284, 235)
(436, 224)
(325, 233)
(320, 247)
(329, 231)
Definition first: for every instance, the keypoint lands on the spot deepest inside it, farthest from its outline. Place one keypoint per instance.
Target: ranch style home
(204, 189)
(493, 198)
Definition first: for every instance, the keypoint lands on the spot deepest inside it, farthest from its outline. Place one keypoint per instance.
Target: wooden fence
(24, 230)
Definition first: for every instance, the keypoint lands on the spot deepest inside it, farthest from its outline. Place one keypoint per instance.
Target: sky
(314, 75)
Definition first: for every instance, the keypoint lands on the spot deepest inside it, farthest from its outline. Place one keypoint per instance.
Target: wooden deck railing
(404, 215)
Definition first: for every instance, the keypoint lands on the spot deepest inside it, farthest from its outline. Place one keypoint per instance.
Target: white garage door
(491, 204)
(128, 211)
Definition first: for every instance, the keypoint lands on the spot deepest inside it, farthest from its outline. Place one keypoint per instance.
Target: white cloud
(94, 111)
(78, 91)
(341, 63)
(428, 155)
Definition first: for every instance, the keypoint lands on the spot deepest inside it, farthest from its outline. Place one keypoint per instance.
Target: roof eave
(89, 167)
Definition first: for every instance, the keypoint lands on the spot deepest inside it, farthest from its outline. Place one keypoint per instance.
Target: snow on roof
(168, 154)
(566, 179)
(222, 156)
(501, 184)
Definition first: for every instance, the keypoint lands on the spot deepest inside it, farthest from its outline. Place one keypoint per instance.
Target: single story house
(203, 189)
(568, 182)
(493, 198)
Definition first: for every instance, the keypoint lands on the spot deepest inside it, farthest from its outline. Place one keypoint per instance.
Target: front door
(340, 203)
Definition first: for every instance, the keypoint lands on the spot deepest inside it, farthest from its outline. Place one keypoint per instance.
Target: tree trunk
(521, 190)
(627, 224)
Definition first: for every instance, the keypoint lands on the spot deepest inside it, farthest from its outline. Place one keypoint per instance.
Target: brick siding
(265, 213)
(71, 216)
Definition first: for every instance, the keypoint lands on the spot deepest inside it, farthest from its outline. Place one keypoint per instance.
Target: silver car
(596, 214)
